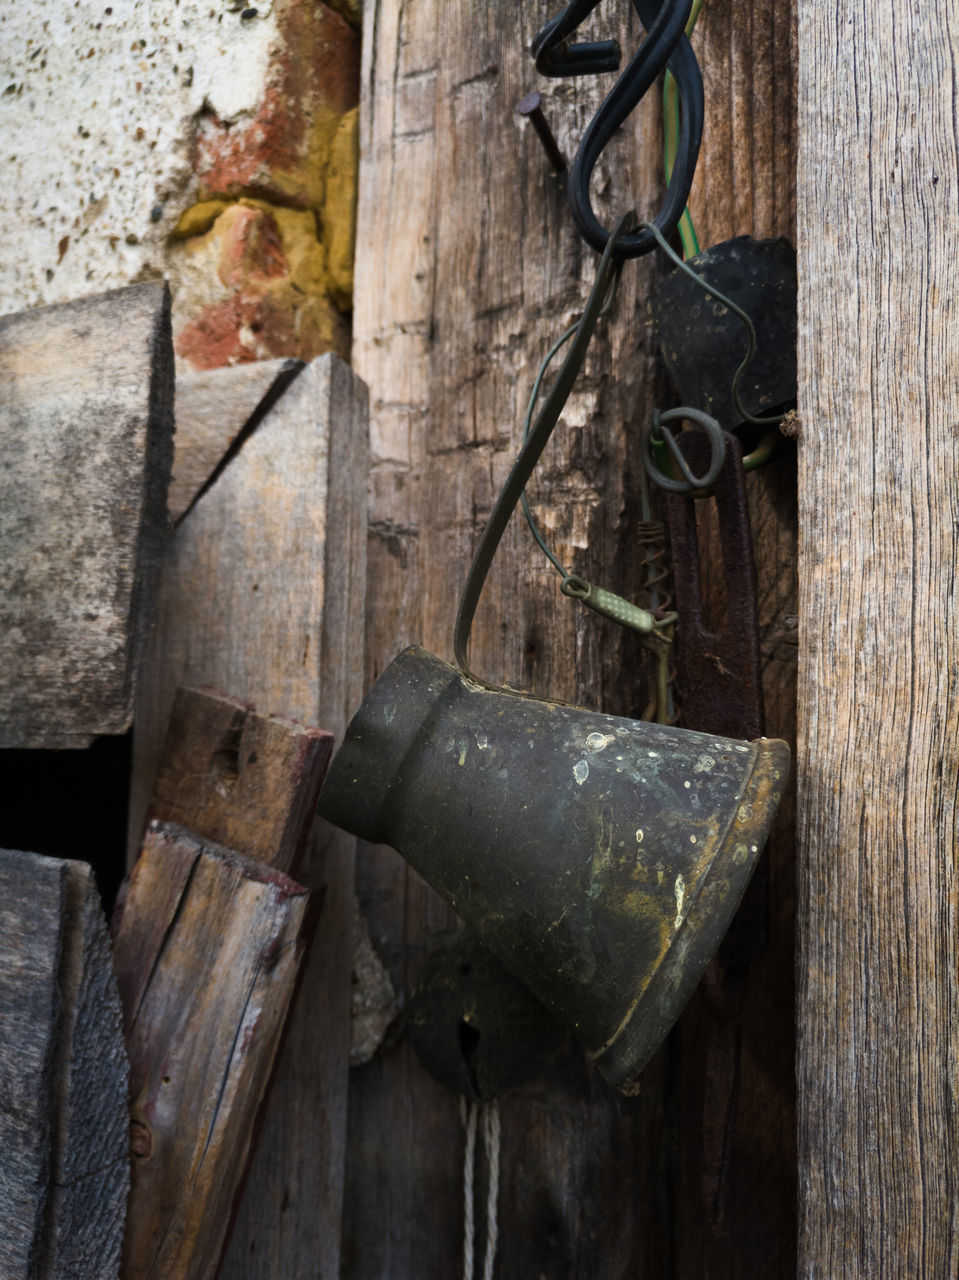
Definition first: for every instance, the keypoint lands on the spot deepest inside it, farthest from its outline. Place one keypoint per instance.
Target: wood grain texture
(246, 781)
(879, 663)
(468, 269)
(213, 407)
(262, 597)
(86, 434)
(64, 1169)
(207, 950)
(745, 181)
(468, 266)
(731, 1093)
(32, 906)
(91, 1174)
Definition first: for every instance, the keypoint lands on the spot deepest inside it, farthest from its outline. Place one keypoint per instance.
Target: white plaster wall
(99, 105)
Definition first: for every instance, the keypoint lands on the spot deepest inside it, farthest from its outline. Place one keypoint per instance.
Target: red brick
(252, 249)
(279, 154)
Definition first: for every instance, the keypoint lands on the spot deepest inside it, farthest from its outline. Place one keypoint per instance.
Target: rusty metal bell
(602, 859)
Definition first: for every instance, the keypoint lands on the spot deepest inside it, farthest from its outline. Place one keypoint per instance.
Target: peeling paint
(580, 771)
(680, 891)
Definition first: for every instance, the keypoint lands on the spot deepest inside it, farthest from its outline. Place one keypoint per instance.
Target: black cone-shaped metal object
(601, 859)
(703, 342)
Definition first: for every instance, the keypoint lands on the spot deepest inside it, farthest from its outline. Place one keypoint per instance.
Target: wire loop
(657, 433)
(737, 310)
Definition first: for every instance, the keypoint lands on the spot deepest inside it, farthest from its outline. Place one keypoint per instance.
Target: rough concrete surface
(117, 120)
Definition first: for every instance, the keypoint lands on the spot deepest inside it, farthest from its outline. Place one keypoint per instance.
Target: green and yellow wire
(687, 232)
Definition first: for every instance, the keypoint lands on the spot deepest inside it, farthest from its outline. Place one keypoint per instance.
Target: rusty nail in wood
(531, 108)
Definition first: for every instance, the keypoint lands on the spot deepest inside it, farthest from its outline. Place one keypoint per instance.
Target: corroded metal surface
(601, 858)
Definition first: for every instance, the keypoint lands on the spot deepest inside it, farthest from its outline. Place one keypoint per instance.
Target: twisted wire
(471, 1114)
(491, 1144)
(468, 1115)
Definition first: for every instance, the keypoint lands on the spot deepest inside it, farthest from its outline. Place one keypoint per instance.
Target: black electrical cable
(535, 443)
(666, 45)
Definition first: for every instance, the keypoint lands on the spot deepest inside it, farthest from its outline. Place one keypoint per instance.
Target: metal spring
(651, 536)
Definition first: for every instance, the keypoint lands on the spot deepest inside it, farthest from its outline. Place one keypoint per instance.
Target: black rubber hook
(666, 45)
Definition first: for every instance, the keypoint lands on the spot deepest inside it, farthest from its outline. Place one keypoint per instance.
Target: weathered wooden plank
(91, 1176)
(878, 998)
(258, 595)
(730, 1097)
(450, 355)
(31, 914)
(64, 1169)
(262, 596)
(86, 426)
(208, 948)
(213, 408)
(246, 781)
(468, 269)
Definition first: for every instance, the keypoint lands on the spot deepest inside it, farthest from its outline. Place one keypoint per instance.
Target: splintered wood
(207, 951)
(262, 598)
(86, 436)
(247, 781)
(64, 1169)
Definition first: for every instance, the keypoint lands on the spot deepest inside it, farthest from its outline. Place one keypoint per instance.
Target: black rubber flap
(703, 342)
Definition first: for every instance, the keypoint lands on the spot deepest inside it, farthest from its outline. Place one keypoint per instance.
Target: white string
(470, 1113)
(468, 1116)
(491, 1143)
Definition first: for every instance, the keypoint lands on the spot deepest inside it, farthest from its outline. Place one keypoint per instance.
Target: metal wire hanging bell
(602, 859)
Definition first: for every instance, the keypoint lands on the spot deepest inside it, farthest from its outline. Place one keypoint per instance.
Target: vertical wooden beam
(879, 666)
(262, 598)
(261, 589)
(468, 269)
(86, 436)
(732, 1080)
(468, 265)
